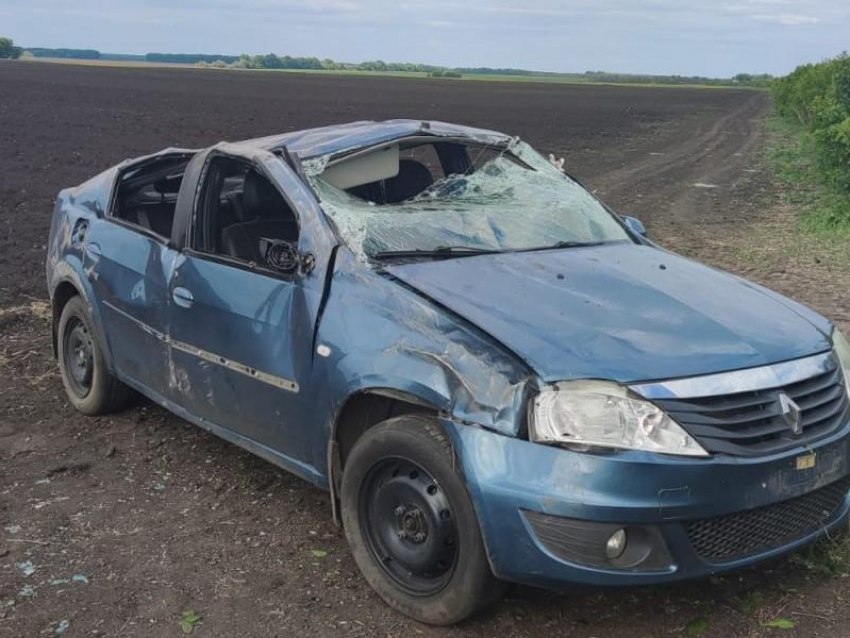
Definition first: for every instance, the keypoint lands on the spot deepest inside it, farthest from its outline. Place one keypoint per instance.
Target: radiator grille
(752, 423)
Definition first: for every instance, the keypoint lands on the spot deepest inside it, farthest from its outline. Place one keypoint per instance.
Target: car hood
(622, 312)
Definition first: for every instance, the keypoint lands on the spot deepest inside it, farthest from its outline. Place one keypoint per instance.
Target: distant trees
(71, 54)
(189, 58)
(373, 65)
(631, 78)
(486, 70)
(272, 61)
(748, 79)
(445, 74)
(402, 67)
(218, 64)
(8, 50)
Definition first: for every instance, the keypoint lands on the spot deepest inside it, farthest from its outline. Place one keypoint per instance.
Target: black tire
(90, 387)
(411, 524)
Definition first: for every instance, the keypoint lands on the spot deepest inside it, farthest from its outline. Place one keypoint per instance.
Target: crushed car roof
(329, 140)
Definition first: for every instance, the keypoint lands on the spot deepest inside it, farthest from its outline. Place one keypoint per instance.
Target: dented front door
(241, 340)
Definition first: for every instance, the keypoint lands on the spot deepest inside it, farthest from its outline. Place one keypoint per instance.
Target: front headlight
(604, 414)
(842, 351)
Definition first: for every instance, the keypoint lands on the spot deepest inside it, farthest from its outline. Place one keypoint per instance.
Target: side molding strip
(265, 377)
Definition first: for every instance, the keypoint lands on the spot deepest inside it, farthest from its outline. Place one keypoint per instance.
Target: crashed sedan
(497, 377)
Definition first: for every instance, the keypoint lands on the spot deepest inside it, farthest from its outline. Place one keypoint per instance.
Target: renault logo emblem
(790, 413)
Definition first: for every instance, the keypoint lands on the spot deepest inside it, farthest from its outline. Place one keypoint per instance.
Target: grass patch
(750, 603)
(38, 309)
(792, 156)
(828, 557)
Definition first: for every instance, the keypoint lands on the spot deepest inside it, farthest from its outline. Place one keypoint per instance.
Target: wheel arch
(66, 283)
(361, 411)
(63, 293)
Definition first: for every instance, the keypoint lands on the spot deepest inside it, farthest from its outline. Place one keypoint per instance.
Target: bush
(8, 50)
(440, 73)
(818, 97)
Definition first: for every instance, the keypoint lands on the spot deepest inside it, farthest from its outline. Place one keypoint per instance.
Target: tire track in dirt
(696, 177)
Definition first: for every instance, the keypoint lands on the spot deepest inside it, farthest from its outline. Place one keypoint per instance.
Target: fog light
(616, 545)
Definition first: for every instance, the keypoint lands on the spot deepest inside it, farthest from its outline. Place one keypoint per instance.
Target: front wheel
(411, 525)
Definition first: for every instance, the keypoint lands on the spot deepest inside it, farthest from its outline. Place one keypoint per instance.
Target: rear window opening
(147, 194)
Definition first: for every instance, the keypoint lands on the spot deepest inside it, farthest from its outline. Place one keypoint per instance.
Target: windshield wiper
(443, 252)
(437, 253)
(565, 244)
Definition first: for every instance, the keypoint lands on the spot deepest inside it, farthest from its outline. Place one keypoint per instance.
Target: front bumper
(660, 497)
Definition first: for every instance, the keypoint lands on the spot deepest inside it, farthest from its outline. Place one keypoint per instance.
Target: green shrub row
(818, 97)
(8, 49)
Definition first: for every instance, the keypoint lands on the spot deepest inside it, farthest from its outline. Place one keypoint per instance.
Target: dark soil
(130, 521)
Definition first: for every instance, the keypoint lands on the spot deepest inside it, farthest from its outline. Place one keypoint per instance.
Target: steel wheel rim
(79, 357)
(409, 526)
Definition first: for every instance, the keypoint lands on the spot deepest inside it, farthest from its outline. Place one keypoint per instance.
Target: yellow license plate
(807, 461)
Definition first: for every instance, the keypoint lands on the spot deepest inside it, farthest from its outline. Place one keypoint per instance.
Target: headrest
(413, 178)
(260, 199)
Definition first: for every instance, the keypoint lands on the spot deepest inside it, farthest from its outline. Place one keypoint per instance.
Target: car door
(241, 332)
(129, 267)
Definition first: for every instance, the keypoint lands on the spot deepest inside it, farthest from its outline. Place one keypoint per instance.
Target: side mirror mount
(635, 225)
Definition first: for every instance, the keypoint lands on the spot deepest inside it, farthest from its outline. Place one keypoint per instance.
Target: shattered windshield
(515, 201)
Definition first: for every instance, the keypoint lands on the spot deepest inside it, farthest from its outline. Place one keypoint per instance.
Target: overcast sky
(707, 37)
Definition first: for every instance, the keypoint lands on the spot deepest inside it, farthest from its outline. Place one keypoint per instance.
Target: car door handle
(183, 297)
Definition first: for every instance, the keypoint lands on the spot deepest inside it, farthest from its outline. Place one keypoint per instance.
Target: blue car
(497, 377)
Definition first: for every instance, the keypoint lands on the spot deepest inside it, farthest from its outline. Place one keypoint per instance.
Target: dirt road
(117, 526)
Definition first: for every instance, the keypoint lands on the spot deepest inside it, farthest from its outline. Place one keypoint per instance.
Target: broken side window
(146, 196)
(242, 216)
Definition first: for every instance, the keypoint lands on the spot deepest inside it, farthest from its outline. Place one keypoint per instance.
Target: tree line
(8, 50)
(274, 61)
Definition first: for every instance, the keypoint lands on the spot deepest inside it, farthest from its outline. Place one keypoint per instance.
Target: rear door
(129, 265)
(244, 298)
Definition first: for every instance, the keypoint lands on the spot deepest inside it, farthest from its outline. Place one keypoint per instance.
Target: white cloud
(789, 19)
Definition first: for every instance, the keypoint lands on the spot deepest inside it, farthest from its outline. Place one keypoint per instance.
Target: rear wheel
(90, 387)
(411, 525)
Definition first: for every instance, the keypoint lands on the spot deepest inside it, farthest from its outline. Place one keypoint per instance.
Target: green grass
(828, 557)
(791, 155)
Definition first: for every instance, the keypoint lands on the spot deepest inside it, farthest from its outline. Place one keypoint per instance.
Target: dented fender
(71, 271)
(65, 252)
(377, 333)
